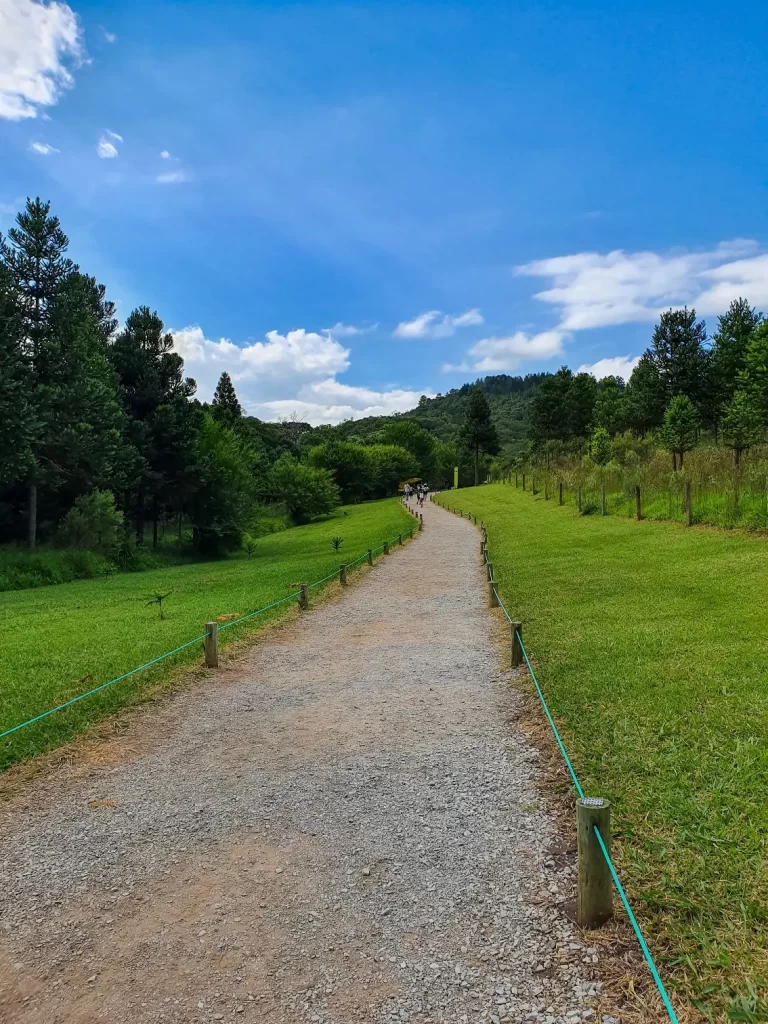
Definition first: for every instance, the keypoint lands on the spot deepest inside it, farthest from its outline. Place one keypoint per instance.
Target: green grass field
(59, 641)
(650, 642)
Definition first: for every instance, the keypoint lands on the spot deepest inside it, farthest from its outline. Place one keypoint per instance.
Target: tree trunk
(477, 465)
(674, 462)
(681, 454)
(179, 526)
(140, 517)
(737, 456)
(32, 516)
(154, 521)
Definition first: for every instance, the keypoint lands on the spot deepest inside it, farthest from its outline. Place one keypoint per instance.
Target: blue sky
(347, 206)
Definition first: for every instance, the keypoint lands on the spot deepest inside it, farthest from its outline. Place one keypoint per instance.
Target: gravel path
(342, 826)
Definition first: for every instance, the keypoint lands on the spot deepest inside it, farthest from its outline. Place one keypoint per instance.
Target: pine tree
(16, 416)
(741, 425)
(679, 354)
(226, 407)
(728, 355)
(645, 396)
(754, 377)
(159, 414)
(478, 433)
(681, 428)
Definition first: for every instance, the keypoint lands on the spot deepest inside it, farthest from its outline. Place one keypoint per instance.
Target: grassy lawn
(59, 641)
(650, 642)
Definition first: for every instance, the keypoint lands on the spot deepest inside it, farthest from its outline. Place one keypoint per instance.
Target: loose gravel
(342, 825)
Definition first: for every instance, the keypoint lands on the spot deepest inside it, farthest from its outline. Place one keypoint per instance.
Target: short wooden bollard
(211, 645)
(688, 506)
(638, 506)
(474, 518)
(304, 597)
(343, 574)
(370, 556)
(421, 523)
(517, 647)
(482, 547)
(400, 539)
(493, 601)
(561, 493)
(489, 569)
(386, 548)
(595, 905)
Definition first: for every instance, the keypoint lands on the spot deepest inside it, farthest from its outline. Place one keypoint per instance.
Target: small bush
(93, 523)
(590, 508)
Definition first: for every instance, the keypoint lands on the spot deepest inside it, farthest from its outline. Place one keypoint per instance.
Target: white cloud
(340, 330)
(173, 177)
(615, 366)
(110, 37)
(287, 373)
(37, 43)
(597, 290)
(165, 155)
(105, 147)
(435, 324)
(496, 355)
(43, 148)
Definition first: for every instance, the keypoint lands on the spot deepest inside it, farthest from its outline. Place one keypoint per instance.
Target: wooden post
(370, 556)
(515, 479)
(211, 645)
(602, 499)
(517, 650)
(561, 493)
(578, 499)
(400, 539)
(482, 547)
(523, 481)
(386, 547)
(688, 508)
(474, 519)
(421, 522)
(595, 905)
(303, 597)
(489, 569)
(546, 487)
(492, 601)
(638, 505)
(343, 574)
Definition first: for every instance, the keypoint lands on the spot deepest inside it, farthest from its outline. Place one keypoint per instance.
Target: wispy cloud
(39, 45)
(106, 147)
(109, 37)
(165, 155)
(435, 324)
(496, 355)
(614, 366)
(173, 177)
(43, 148)
(597, 290)
(341, 330)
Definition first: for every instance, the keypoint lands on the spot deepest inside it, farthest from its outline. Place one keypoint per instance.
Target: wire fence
(198, 639)
(577, 785)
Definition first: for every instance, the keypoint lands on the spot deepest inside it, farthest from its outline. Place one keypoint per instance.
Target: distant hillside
(508, 397)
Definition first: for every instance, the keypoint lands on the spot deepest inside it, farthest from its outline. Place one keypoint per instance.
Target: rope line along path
(577, 785)
(189, 643)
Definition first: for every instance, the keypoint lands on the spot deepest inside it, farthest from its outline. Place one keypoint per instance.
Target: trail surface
(343, 826)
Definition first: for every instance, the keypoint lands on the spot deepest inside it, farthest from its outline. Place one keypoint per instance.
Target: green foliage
(754, 378)
(648, 645)
(224, 491)
(93, 523)
(729, 351)
(600, 447)
(226, 406)
(741, 424)
(17, 423)
(306, 491)
(103, 628)
(249, 545)
(420, 443)
(681, 427)
(336, 542)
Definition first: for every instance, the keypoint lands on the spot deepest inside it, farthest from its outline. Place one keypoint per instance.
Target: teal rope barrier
(162, 657)
(103, 686)
(614, 875)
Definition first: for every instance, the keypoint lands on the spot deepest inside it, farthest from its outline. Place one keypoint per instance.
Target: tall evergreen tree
(226, 407)
(741, 425)
(681, 428)
(679, 353)
(645, 396)
(156, 395)
(16, 413)
(728, 355)
(478, 433)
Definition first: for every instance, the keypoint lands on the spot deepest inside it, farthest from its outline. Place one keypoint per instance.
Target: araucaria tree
(741, 425)
(680, 430)
(478, 434)
(226, 406)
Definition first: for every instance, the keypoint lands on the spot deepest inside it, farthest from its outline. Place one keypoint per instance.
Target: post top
(593, 801)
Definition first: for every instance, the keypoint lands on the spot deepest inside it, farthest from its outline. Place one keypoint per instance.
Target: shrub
(93, 523)
(305, 491)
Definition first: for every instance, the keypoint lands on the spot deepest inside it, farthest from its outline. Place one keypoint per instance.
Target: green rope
(619, 887)
(103, 686)
(266, 608)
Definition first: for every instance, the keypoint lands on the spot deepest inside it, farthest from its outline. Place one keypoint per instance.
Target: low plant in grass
(158, 600)
(336, 542)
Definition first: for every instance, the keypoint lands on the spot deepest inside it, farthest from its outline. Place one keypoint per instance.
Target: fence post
(343, 574)
(561, 493)
(546, 487)
(638, 506)
(602, 500)
(386, 547)
(688, 508)
(482, 547)
(578, 499)
(303, 597)
(517, 650)
(515, 479)
(595, 905)
(370, 556)
(421, 522)
(400, 539)
(492, 599)
(211, 645)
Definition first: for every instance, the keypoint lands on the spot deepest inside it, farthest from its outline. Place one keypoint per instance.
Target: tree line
(103, 440)
(685, 388)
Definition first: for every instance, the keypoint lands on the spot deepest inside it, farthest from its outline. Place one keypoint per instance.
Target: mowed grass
(650, 642)
(60, 641)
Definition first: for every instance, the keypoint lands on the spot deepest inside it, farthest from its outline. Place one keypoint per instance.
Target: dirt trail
(343, 827)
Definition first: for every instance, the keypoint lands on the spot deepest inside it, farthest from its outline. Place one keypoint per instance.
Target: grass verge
(63, 640)
(650, 642)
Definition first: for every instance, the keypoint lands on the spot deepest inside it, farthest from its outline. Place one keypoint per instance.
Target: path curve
(343, 827)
